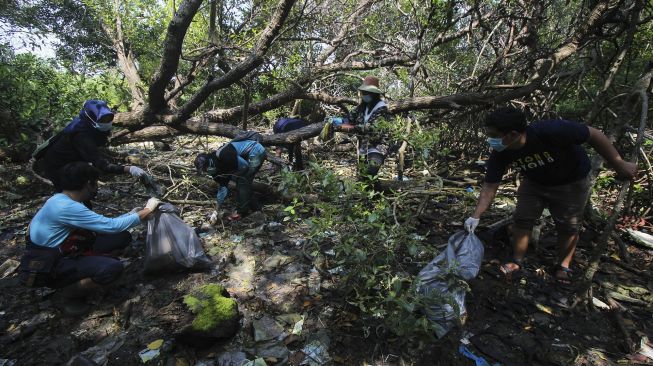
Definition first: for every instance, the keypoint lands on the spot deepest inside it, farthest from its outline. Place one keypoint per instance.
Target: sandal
(565, 281)
(512, 269)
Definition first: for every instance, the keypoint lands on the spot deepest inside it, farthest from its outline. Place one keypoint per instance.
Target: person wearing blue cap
(81, 140)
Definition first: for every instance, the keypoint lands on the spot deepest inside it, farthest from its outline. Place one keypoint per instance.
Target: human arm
(79, 216)
(488, 192)
(87, 145)
(602, 144)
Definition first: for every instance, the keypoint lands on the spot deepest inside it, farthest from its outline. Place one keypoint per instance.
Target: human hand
(136, 171)
(152, 203)
(626, 169)
(471, 224)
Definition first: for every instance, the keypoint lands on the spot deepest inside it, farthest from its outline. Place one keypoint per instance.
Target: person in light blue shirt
(68, 245)
(237, 160)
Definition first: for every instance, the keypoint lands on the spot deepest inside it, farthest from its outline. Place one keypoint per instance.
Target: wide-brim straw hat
(371, 85)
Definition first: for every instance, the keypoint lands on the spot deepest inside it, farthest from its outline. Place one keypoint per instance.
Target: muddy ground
(520, 321)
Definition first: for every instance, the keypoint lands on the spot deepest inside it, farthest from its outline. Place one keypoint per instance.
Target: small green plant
(375, 248)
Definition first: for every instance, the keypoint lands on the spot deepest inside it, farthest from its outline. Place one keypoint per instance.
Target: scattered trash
(274, 226)
(600, 304)
(330, 252)
(644, 354)
(641, 238)
(276, 260)
(297, 328)
(231, 359)
(298, 242)
(152, 351)
(316, 353)
(266, 328)
(171, 243)
(314, 282)
(480, 361)
(460, 260)
(236, 238)
(544, 308)
(100, 353)
(151, 186)
(213, 219)
(336, 270)
(469, 189)
(256, 362)
(8, 267)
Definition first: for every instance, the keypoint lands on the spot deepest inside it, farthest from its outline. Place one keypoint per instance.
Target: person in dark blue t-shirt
(555, 166)
(288, 124)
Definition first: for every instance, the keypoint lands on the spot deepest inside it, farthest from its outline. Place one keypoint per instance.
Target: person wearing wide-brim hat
(363, 121)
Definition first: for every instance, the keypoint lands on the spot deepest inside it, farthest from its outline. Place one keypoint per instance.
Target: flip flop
(566, 282)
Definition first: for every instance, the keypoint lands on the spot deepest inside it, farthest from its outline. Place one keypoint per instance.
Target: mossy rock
(216, 314)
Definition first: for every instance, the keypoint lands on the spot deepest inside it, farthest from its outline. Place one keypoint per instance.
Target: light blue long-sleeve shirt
(255, 160)
(61, 215)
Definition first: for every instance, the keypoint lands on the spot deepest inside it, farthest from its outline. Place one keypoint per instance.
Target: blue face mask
(367, 98)
(496, 143)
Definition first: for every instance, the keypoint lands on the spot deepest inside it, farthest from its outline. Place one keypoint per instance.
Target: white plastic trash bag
(444, 278)
(171, 243)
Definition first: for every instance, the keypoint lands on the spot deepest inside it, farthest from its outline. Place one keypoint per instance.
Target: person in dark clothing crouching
(81, 140)
(68, 245)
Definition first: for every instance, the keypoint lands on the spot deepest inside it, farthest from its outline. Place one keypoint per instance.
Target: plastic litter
(171, 243)
(297, 328)
(480, 361)
(256, 362)
(8, 267)
(152, 351)
(460, 260)
(151, 186)
(641, 237)
(316, 353)
(99, 354)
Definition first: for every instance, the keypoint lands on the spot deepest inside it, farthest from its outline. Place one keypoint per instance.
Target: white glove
(136, 171)
(152, 203)
(471, 224)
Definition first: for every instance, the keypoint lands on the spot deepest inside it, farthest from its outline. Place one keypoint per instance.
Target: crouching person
(69, 246)
(237, 160)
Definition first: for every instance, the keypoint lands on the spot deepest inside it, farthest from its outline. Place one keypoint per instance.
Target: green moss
(210, 307)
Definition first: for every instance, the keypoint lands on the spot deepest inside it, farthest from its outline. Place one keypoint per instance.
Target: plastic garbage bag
(171, 243)
(444, 278)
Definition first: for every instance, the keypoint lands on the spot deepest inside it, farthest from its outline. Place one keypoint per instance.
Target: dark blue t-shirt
(288, 124)
(551, 156)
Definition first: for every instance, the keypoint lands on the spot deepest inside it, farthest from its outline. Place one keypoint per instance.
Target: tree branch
(172, 47)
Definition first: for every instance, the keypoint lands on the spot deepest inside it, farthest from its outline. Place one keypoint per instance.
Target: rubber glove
(136, 171)
(471, 224)
(222, 194)
(152, 203)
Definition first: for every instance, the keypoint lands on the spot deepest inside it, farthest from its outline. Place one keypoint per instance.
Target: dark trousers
(100, 269)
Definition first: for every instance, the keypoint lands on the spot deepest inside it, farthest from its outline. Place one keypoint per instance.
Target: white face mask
(104, 127)
(367, 98)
